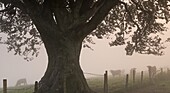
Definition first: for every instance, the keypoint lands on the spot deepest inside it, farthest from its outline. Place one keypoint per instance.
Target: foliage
(132, 21)
(21, 35)
(135, 23)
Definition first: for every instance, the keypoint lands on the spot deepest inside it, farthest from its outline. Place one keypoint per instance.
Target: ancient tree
(64, 25)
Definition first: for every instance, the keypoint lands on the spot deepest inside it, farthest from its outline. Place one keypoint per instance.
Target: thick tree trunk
(63, 43)
(59, 30)
(64, 74)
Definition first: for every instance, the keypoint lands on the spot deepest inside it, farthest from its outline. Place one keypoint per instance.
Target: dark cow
(152, 71)
(21, 82)
(168, 70)
(116, 72)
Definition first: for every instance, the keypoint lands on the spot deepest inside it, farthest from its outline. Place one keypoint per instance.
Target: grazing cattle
(152, 71)
(116, 72)
(21, 82)
(168, 70)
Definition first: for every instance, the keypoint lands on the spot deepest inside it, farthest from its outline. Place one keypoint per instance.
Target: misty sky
(102, 58)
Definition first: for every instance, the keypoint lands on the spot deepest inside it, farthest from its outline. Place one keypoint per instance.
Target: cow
(152, 71)
(116, 72)
(21, 82)
(168, 70)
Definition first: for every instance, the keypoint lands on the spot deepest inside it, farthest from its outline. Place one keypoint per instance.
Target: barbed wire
(93, 74)
(20, 89)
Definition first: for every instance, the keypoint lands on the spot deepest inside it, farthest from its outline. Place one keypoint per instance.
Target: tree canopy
(137, 24)
(62, 25)
(132, 21)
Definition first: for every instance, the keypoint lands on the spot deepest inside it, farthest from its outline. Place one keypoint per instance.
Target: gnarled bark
(63, 42)
(64, 74)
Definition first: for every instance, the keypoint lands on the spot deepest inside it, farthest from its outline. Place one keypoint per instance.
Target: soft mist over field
(102, 58)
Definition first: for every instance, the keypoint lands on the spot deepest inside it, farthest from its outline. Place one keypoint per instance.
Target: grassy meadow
(20, 89)
(116, 85)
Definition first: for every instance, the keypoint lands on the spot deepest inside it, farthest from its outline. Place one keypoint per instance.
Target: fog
(102, 58)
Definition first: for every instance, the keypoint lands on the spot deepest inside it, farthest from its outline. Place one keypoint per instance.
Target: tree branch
(15, 3)
(86, 6)
(31, 6)
(76, 9)
(86, 16)
(98, 17)
(62, 13)
(127, 10)
(7, 9)
(131, 19)
(139, 6)
(62, 18)
(141, 31)
(10, 1)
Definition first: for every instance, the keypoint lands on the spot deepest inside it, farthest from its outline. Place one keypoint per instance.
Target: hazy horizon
(102, 58)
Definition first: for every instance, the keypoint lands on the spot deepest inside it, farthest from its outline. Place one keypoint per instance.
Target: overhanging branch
(10, 1)
(16, 3)
(31, 4)
(76, 9)
(140, 31)
(130, 16)
(98, 17)
(7, 9)
(135, 23)
(86, 16)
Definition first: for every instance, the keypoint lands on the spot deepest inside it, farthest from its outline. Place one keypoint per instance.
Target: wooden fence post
(161, 71)
(4, 85)
(127, 81)
(150, 78)
(134, 73)
(36, 87)
(105, 82)
(162, 74)
(141, 77)
(168, 73)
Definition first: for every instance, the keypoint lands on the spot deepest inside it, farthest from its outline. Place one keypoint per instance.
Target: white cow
(21, 82)
(116, 72)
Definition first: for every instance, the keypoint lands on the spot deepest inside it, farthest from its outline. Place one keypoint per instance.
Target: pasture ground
(160, 87)
(116, 85)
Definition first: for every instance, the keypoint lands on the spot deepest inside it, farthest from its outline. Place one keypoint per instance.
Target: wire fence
(31, 88)
(22, 89)
(93, 74)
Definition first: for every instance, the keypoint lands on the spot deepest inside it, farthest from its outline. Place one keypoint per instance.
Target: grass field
(159, 87)
(21, 89)
(116, 85)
